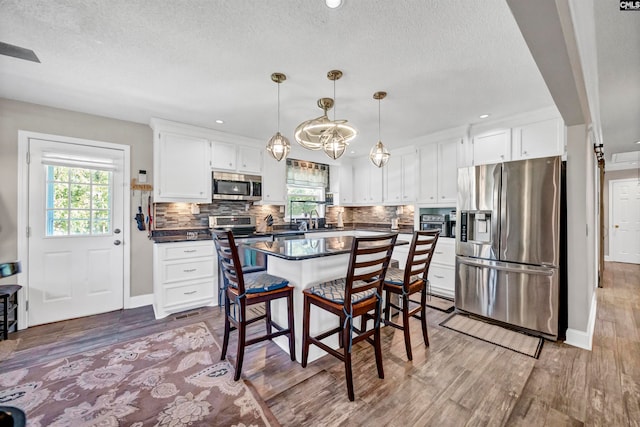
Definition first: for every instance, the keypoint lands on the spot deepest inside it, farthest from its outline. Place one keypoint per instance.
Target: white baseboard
(607, 258)
(584, 339)
(139, 301)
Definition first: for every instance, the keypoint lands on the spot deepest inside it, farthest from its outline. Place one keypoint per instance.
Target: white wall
(581, 233)
(16, 116)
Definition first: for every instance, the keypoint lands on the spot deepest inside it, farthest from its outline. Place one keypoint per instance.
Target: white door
(624, 222)
(76, 218)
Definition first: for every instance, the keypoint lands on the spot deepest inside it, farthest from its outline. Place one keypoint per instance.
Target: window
(78, 201)
(306, 182)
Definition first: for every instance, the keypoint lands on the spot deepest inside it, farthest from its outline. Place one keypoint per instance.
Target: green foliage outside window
(78, 201)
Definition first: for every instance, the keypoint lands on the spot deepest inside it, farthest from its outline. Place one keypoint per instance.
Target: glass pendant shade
(333, 143)
(278, 146)
(379, 154)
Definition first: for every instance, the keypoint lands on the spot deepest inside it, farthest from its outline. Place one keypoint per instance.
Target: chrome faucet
(314, 224)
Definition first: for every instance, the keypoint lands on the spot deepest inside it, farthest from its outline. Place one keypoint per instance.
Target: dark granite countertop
(183, 235)
(301, 249)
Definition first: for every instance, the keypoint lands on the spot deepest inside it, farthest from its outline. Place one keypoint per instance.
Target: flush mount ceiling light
(379, 154)
(333, 4)
(278, 146)
(484, 116)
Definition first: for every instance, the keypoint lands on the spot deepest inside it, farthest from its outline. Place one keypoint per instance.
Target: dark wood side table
(9, 299)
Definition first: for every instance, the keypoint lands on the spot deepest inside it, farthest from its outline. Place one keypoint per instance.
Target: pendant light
(379, 154)
(317, 133)
(335, 140)
(278, 146)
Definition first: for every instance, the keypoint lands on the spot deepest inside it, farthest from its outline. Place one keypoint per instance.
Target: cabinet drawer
(187, 270)
(445, 252)
(179, 295)
(442, 280)
(189, 250)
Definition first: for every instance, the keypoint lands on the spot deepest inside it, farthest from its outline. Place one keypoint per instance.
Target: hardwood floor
(457, 381)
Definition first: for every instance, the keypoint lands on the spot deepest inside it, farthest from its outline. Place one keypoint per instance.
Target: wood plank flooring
(457, 381)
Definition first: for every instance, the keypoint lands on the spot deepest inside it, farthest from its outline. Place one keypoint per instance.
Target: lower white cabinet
(442, 269)
(184, 276)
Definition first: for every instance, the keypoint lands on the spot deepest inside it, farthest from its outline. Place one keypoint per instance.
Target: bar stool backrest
(370, 257)
(229, 259)
(421, 252)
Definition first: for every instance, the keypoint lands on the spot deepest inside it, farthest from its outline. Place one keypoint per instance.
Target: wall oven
(233, 186)
(435, 222)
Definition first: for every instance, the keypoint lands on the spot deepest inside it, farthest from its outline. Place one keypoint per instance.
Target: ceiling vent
(630, 156)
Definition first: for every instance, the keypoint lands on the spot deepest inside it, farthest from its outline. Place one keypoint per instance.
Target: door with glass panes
(76, 247)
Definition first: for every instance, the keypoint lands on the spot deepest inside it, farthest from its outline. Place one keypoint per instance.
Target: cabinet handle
(190, 270)
(230, 164)
(439, 277)
(443, 197)
(524, 153)
(188, 251)
(190, 293)
(431, 197)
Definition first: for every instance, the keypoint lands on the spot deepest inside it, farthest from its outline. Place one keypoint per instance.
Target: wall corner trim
(584, 339)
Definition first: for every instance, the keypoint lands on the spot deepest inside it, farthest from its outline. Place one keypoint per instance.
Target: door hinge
(28, 231)
(26, 305)
(28, 157)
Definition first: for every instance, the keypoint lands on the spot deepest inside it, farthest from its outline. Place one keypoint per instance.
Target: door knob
(616, 226)
(117, 242)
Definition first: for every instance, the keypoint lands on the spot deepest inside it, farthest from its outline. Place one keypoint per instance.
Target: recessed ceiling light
(637, 142)
(220, 122)
(353, 151)
(333, 4)
(484, 116)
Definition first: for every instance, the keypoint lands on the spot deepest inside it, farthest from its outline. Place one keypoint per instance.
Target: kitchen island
(306, 262)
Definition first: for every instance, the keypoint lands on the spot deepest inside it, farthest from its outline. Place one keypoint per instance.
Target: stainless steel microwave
(233, 186)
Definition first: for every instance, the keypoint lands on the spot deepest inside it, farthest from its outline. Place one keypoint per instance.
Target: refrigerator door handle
(494, 266)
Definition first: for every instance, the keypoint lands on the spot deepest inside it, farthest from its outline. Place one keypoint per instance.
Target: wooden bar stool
(411, 280)
(350, 297)
(245, 290)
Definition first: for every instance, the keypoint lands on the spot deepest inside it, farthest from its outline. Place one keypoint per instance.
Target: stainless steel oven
(435, 222)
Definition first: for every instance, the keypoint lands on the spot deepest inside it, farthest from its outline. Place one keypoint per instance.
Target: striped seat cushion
(262, 282)
(395, 276)
(333, 290)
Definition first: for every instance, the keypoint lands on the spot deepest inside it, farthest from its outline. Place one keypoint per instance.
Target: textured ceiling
(443, 63)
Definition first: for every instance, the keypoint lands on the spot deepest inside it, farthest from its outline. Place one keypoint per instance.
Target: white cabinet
(274, 182)
(439, 173)
(345, 181)
(238, 158)
(442, 269)
(367, 182)
(181, 168)
(492, 147)
(184, 276)
(400, 179)
(540, 139)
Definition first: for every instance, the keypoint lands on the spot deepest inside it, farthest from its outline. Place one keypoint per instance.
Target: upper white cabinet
(400, 178)
(233, 157)
(345, 183)
(539, 139)
(367, 182)
(274, 182)
(181, 168)
(439, 173)
(492, 147)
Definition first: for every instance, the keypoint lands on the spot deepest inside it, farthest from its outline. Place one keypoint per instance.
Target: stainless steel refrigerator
(508, 243)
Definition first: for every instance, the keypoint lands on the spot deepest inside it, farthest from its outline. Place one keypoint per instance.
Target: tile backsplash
(178, 215)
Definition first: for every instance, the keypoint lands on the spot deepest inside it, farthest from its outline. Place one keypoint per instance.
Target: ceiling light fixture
(379, 154)
(484, 116)
(637, 142)
(333, 4)
(220, 122)
(278, 146)
(332, 136)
